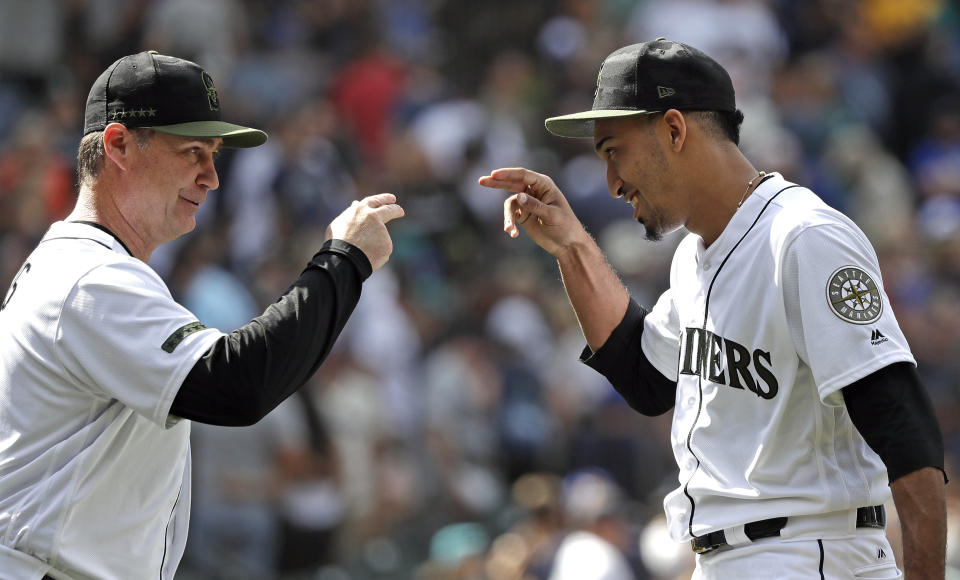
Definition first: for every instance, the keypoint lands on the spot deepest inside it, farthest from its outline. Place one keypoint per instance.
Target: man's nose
(615, 184)
(208, 177)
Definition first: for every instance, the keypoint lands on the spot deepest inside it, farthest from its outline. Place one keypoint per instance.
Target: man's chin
(652, 234)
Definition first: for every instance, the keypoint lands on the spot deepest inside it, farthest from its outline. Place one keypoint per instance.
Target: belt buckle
(703, 549)
(708, 543)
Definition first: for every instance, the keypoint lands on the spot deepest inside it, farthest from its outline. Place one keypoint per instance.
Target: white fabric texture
(759, 428)
(94, 473)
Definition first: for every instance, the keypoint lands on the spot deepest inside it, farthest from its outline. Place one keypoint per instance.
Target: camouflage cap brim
(235, 136)
(580, 125)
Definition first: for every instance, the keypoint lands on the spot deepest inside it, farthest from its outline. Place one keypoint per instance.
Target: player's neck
(720, 189)
(94, 206)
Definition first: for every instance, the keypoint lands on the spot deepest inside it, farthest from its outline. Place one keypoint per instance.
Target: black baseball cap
(651, 77)
(166, 94)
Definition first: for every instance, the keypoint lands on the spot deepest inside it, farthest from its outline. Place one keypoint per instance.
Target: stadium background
(452, 433)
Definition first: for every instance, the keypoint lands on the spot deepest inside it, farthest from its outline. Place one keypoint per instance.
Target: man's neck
(96, 207)
(719, 191)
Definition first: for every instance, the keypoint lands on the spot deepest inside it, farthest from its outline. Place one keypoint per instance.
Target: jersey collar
(84, 230)
(743, 218)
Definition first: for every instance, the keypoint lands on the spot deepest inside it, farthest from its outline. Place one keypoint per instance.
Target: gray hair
(90, 153)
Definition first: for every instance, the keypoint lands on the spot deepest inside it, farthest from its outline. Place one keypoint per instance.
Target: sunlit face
(170, 179)
(638, 172)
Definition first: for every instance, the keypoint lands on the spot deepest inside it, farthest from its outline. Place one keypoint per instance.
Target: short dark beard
(652, 234)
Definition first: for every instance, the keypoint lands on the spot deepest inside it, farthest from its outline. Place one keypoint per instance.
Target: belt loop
(737, 536)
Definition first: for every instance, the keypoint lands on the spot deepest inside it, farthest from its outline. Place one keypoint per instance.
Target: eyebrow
(600, 143)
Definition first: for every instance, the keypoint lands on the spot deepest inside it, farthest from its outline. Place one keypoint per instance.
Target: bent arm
(622, 361)
(248, 372)
(596, 293)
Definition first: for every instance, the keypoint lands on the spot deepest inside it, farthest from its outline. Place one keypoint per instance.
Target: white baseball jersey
(760, 331)
(94, 472)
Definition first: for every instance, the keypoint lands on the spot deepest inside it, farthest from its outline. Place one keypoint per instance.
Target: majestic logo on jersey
(877, 338)
(726, 362)
(854, 296)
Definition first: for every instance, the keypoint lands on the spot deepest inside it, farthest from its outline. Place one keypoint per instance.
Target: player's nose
(208, 178)
(614, 183)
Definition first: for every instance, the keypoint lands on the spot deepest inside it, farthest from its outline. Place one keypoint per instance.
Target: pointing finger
(388, 212)
(507, 185)
(380, 199)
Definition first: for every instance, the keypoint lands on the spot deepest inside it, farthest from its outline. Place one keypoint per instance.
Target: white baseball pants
(865, 555)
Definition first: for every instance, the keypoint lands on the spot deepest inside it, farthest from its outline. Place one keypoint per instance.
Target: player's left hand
(538, 206)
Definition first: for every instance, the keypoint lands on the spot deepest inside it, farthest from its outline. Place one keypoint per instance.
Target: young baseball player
(101, 371)
(796, 404)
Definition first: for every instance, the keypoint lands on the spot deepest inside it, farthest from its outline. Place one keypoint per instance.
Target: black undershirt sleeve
(622, 362)
(248, 372)
(895, 416)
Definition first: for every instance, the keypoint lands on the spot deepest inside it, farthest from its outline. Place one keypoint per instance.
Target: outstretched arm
(248, 372)
(540, 208)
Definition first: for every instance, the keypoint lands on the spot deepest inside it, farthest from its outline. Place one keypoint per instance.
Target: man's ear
(117, 144)
(677, 127)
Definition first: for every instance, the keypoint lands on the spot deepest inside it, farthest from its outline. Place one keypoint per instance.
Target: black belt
(867, 517)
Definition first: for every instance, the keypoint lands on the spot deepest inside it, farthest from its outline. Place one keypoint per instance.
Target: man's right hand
(539, 207)
(363, 224)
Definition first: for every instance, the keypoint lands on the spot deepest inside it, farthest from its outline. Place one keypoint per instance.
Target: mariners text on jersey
(727, 362)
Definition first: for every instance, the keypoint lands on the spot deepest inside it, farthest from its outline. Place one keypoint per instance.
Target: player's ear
(676, 126)
(117, 144)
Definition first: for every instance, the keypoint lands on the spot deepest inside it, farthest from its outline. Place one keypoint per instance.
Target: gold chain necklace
(746, 191)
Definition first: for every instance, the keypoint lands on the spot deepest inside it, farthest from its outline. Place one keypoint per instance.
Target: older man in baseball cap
(796, 402)
(102, 372)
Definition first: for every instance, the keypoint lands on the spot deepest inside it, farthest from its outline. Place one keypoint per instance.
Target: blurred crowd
(452, 433)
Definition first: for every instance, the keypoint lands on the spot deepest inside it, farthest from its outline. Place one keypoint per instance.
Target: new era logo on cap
(665, 92)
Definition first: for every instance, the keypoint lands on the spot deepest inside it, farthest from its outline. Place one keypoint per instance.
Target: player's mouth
(190, 201)
(632, 197)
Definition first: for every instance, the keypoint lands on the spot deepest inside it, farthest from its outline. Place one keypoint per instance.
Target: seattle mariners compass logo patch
(853, 295)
